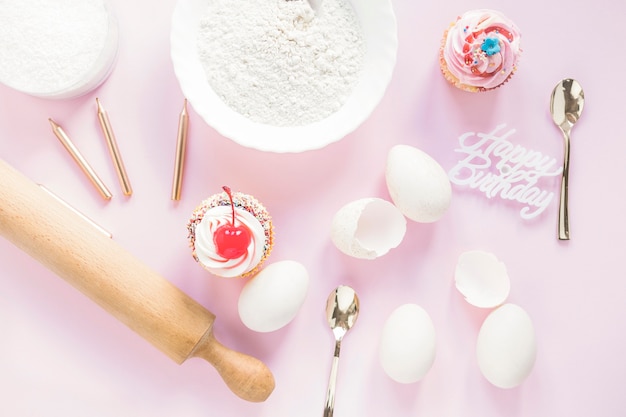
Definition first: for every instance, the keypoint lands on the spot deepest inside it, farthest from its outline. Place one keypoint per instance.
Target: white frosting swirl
(206, 250)
(471, 59)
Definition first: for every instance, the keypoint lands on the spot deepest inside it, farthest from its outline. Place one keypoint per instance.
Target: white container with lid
(57, 50)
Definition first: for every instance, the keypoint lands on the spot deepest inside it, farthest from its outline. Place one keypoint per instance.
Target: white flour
(46, 45)
(276, 62)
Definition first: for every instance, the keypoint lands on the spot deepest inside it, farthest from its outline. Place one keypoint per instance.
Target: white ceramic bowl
(378, 23)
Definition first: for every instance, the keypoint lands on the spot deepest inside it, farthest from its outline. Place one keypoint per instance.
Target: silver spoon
(316, 5)
(342, 310)
(566, 105)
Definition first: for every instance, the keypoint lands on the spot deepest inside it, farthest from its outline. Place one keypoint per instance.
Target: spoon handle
(563, 203)
(329, 406)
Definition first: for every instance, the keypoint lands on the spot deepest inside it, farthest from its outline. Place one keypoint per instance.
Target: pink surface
(60, 354)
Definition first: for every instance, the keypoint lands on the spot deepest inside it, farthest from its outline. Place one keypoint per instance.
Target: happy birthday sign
(498, 168)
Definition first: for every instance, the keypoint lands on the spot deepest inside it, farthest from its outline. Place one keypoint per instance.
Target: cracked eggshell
(407, 344)
(506, 346)
(273, 297)
(482, 279)
(367, 228)
(417, 184)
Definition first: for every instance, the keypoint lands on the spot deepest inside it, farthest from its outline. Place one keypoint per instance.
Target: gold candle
(181, 143)
(109, 136)
(80, 160)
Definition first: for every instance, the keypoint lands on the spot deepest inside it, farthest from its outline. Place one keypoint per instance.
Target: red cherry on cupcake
(231, 241)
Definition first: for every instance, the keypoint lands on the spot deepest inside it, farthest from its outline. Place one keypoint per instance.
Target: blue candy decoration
(490, 46)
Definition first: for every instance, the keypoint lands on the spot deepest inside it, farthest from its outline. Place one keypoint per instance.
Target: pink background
(60, 354)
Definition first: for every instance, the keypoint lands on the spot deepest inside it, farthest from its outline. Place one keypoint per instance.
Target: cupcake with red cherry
(230, 234)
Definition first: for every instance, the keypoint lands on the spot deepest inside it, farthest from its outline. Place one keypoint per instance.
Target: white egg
(417, 184)
(367, 228)
(273, 297)
(482, 279)
(408, 344)
(506, 346)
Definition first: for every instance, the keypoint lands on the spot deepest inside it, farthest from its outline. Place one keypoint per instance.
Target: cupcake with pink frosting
(480, 51)
(230, 234)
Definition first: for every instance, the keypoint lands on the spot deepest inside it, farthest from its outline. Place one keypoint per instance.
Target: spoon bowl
(566, 105)
(316, 5)
(342, 310)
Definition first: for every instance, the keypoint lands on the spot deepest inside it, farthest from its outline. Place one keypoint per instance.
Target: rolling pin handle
(246, 376)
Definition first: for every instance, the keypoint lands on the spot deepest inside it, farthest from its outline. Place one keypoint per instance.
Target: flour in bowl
(278, 62)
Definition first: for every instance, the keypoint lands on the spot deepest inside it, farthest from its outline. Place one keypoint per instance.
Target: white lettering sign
(498, 168)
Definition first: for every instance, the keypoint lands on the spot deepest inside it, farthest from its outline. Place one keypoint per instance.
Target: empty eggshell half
(417, 184)
(273, 297)
(482, 279)
(407, 345)
(368, 228)
(506, 346)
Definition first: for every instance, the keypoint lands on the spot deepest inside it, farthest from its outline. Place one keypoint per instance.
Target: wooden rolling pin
(150, 305)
